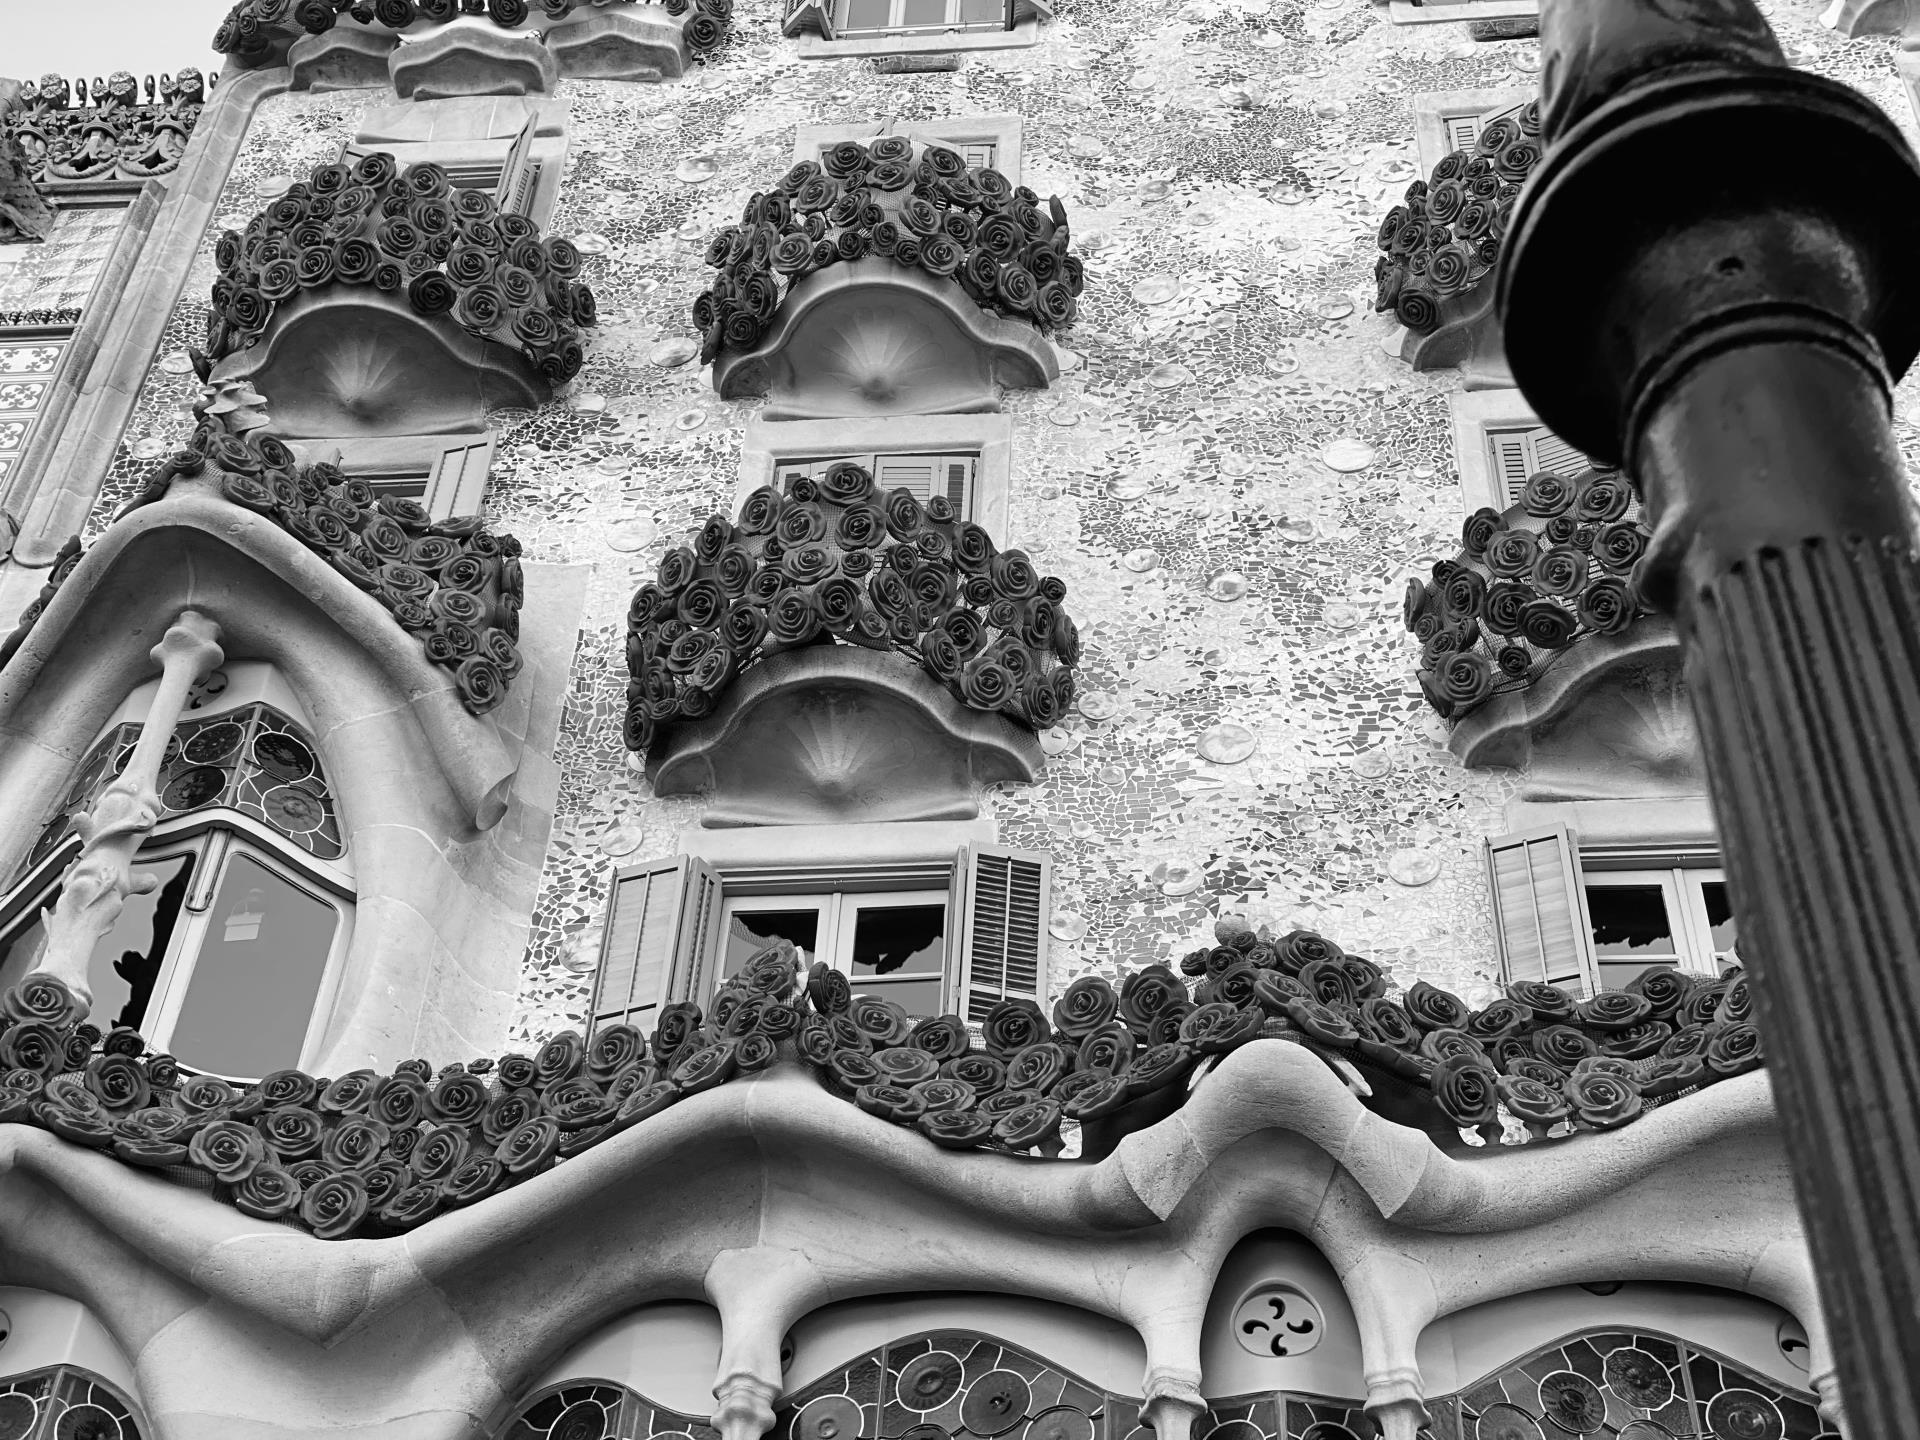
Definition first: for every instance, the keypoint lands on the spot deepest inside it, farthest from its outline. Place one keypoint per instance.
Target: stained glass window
(64, 1403)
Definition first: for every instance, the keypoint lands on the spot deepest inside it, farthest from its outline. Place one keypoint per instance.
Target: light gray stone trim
(1002, 130)
(471, 60)
(1474, 414)
(742, 851)
(1405, 12)
(990, 436)
(53, 502)
(1432, 110)
(814, 47)
(1671, 824)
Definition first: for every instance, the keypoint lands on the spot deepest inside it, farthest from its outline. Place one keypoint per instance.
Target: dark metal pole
(1712, 278)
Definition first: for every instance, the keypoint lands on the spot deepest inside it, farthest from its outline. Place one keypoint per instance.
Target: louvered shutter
(928, 475)
(659, 923)
(805, 15)
(1540, 908)
(519, 173)
(1003, 929)
(1550, 452)
(1462, 131)
(1517, 454)
(982, 154)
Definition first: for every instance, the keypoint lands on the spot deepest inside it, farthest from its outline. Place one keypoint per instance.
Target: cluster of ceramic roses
(835, 561)
(1446, 238)
(1527, 584)
(936, 213)
(247, 27)
(452, 251)
(370, 1154)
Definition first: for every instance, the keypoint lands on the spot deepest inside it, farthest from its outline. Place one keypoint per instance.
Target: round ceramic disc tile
(1063, 1422)
(1227, 744)
(676, 350)
(1347, 455)
(831, 1417)
(995, 1403)
(928, 1381)
(1412, 866)
(1068, 925)
(1156, 289)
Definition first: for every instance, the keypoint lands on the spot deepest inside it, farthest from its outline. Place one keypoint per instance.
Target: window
(512, 147)
(914, 17)
(504, 169)
(224, 960)
(1593, 920)
(1427, 12)
(925, 475)
(445, 473)
(936, 937)
(988, 141)
(65, 1402)
(1498, 442)
(1518, 453)
(1448, 120)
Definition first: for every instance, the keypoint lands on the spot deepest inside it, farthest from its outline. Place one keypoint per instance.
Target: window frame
(810, 24)
(1437, 113)
(897, 25)
(213, 838)
(1481, 419)
(1682, 876)
(1441, 12)
(838, 909)
(454, 468)
(988, 437)
(695, 918)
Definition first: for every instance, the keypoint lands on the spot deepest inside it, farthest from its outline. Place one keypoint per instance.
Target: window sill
(1024, 33)
(1406, 12)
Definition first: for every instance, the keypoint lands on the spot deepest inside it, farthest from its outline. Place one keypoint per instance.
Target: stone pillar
(1710, 279)
(96, 887)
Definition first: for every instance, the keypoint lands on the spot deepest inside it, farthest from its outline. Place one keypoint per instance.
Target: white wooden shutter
(519, 173)
(1540, 908)
(805, 15)
(660, 918)
(1462, 131)
(929, 475)
(982, 154)
(1517, 454)
(1004, 899)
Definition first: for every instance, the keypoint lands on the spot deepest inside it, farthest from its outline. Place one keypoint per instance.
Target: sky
(98, 37)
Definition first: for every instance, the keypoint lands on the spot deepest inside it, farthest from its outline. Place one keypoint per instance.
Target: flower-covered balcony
(365, 297)
(1541, 604)
(840, 654)
(1438, 268)
(889, 279)
(504, 47)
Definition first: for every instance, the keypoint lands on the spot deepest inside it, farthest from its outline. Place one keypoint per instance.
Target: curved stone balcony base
(836, 733)
(1501, 732)
(1468, 339)
(640, 42)
(1853, 18)
(352, 360)
(869, 337)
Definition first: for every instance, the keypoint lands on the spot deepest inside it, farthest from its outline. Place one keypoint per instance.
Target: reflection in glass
(252, 992)
(1720, 919)
(1631, 931)
(898, 939)
(751, 931)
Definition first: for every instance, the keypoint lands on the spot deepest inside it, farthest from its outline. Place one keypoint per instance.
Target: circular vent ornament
(1278, 1320)
(995, 1403)
(1508, 1422)
(18, 1415)
(1573, 1403)
(1744, 1415)
(1063, 1422)
(1638, 1378)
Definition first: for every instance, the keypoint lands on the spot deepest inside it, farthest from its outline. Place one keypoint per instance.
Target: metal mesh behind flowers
(1446, 238)
(936, 213)
(371, 1154)
(1527, 584)
(453, 252)
(241, 32)
(836, 561)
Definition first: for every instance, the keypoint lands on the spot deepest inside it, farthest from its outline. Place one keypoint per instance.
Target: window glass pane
(917, 997)
(897, 940)
(924, 12)
(251, 991)
(983, 12)
(1631, 930)
(751, 931)
(1720, 917)
(866, 14)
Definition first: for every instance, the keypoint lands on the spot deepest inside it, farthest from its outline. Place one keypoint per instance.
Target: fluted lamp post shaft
(1711, 279)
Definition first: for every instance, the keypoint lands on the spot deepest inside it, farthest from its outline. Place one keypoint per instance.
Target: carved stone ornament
(345, 58)
(355, 361)
(471, 60)
(1875, 17)
(116, 138)
(839, 734)
(637, 42)
(872, 337)
(23, 214)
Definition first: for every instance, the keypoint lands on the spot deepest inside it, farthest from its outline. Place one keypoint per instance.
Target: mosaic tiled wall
(47, 283)
(1234, 476)
(953, 1383)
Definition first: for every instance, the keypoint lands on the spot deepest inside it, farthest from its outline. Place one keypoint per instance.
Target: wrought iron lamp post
(1713, 278)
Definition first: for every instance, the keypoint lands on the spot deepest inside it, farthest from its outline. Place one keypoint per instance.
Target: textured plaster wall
(1226, 163)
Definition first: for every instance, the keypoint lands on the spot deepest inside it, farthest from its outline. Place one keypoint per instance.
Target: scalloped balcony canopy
(352, 360)
(871, 337)
(836, 733)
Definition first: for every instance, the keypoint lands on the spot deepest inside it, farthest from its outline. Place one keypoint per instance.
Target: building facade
(849, 719)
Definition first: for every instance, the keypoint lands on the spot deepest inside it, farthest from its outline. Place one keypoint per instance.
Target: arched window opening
(225, 957)
(64, 1402)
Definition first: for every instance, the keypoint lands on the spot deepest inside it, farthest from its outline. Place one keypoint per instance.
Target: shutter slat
(1550, 452)
(1004, 936)
(517, 171)
(1462, 131)
(1539, 908)
(1508, 453)
(906, 472)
